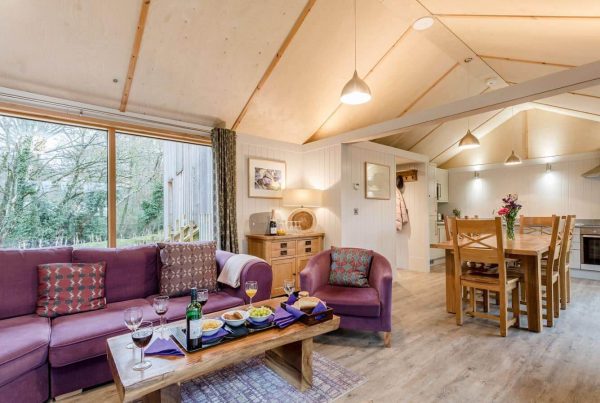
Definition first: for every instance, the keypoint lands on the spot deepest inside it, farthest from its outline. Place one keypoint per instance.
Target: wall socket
(355, 211)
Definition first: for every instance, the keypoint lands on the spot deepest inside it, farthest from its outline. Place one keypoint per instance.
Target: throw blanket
(232, 270)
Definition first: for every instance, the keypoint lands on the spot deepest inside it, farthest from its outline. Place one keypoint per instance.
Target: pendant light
(356, 91)
(468, 140)
(513, 159)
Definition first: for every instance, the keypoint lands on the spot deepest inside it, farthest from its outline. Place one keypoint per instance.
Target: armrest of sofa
(255, 271)
(380, 278)
(316, 272)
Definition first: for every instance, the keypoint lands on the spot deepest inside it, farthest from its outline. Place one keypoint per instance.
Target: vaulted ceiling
(275, 68)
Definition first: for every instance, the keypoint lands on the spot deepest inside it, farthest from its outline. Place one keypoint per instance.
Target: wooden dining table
(528, 249)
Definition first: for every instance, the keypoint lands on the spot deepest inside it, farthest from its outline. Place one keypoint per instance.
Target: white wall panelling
(561, 191)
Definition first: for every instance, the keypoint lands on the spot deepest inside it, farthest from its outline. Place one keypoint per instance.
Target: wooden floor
(433, 360)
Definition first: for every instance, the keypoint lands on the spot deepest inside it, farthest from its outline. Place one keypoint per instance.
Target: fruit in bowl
(211, 326)
(235, 318)
(259, 315)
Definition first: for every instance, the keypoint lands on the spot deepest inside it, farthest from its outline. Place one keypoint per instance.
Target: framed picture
(377, 181)
(266, 178)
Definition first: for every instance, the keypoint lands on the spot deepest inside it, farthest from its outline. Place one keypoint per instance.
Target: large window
(55, 190)
(164, 190)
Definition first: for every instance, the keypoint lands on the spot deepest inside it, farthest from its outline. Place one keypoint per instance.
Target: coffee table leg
(170, 394)
(293, 362)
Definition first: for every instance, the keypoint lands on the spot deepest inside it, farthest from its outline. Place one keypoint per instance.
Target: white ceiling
(200, 61)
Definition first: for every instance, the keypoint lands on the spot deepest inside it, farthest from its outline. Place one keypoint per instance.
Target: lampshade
(356, 91)
(513, 159)
(468, 141)
(302, 197)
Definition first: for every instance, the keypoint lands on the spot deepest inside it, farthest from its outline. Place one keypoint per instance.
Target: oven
(590, 248)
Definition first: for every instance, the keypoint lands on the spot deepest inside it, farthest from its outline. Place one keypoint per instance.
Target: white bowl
(213, 331)
(236, 322)
(259, 319)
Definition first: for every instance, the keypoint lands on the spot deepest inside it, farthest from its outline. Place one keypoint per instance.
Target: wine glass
(288, 287)
(161, 306)
(141, 338)
(133, 318)
(202, 296)
(251, 289)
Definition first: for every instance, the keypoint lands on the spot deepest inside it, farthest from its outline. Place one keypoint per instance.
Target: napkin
(163, 347)
(291, 299)
(287, 316)
(319, 308)
(214, 337)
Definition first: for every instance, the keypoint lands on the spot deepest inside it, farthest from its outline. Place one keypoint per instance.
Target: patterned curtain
(223, 147)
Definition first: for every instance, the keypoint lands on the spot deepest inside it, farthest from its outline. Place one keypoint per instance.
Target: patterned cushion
(350, 267)
(186, 265)
(65, 288)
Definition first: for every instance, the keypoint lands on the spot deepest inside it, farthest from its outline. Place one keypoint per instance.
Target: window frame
(111, 127)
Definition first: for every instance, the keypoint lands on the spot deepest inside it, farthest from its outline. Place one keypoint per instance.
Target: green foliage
(151, 218)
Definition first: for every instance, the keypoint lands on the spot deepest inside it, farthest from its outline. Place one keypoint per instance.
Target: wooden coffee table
(288, 352)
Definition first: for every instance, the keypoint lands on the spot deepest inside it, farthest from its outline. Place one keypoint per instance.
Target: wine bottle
(193, 315)
(272, 224)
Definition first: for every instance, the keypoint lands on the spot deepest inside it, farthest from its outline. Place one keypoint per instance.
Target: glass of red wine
(202, 296)
(161, 306)
(133, 318)
(141, 338)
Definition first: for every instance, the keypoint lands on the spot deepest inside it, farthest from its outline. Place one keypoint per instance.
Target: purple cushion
(18, 277)
(24, 342)
(350, 300)
(83, 335)
(217, 301)
(130, 272)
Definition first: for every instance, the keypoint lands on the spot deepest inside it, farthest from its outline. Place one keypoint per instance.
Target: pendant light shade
(468, 141)
(356, 91)
(513, 159)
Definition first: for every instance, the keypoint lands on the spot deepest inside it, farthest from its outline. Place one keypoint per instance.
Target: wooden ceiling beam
(137, 43)
(543, 87)
(286, 42)
(432, 86)
(511, 59)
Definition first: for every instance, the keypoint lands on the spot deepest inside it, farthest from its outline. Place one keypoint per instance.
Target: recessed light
(423, 23)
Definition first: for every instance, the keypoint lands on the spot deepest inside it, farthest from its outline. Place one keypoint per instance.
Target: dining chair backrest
(565, 252)
(448, 223)
(535, 225)
(556, 240)
(480, 241)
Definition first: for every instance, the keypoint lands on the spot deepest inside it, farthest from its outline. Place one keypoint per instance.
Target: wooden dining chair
(482, 241)
(564, 272)
(554, 227)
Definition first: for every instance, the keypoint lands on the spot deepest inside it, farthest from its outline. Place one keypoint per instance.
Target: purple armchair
(359, 308)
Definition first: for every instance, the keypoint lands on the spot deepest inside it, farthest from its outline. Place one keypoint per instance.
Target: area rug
(253, 381)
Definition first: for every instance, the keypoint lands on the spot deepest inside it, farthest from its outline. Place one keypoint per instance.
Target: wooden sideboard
(287, 254)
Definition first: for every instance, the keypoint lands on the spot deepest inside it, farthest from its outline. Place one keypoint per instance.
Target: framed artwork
(266, 178)
(377, 181)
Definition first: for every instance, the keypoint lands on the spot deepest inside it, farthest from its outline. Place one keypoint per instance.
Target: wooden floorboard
(433, 360)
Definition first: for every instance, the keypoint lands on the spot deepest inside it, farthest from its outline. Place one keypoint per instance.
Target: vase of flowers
(509, 211)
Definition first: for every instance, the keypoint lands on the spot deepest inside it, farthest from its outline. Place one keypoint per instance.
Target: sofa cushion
(185, 265)
(350, 301)
(130, 272)
(217, 301)
(24, 342)
(81, 336)
(350, 267)
(19, 277)
(66, 288)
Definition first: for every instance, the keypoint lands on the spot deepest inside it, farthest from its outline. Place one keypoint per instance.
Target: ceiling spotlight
(423, 23)
(468, 59)
(468, 141)
(513, 159)
(492, 81)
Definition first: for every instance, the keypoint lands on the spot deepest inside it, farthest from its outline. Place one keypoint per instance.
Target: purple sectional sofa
(42, 358)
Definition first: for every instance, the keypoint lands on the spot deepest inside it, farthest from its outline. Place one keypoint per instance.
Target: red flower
(503, 211)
